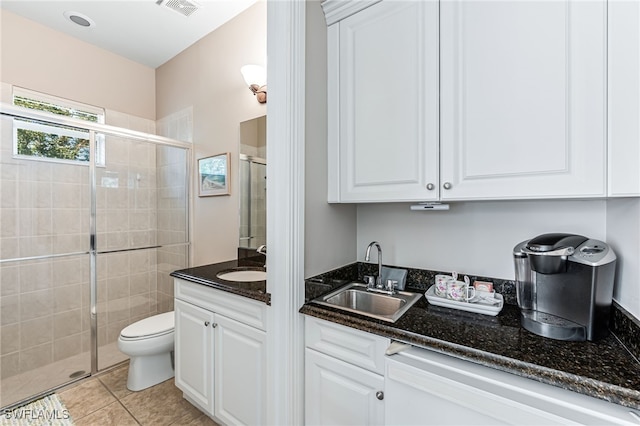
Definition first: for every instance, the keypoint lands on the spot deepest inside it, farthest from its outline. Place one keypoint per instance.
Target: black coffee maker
(564, 286)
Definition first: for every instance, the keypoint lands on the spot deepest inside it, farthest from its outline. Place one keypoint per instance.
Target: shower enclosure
(85, 249)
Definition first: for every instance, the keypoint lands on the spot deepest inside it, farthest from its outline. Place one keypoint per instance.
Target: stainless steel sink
(354, 297)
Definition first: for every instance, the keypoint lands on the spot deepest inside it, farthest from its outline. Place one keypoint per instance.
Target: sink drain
(77, 374)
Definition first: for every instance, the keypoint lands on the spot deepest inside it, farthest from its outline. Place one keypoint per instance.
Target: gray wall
(330, 229)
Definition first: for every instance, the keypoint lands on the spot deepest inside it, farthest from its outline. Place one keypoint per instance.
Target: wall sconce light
(256, 78)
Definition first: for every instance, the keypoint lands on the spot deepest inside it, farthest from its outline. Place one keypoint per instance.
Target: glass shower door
(141, 235)
(44, 270)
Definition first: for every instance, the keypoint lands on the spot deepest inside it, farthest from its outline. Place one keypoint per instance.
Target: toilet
(149, 345)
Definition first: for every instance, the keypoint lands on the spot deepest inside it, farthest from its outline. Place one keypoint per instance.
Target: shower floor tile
(25, 385)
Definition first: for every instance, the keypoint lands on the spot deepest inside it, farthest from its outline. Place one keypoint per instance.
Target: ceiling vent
(183, 7)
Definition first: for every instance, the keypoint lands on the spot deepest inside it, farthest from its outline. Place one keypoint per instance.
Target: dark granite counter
(604, 369)
(207, 275)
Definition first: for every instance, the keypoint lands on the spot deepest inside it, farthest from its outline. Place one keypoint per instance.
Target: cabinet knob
(430, 186)
(447, 185)
(206, 323)
(380, 395)
(214, 325)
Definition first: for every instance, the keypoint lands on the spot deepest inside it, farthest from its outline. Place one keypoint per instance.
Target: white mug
(460, 291)
(440, 288)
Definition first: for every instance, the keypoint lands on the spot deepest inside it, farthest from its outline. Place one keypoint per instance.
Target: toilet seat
(155, 326)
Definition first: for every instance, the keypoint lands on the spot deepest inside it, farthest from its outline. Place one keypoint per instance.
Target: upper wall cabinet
(624, 98)
(459, 100)
(383, 102)
(523, 99)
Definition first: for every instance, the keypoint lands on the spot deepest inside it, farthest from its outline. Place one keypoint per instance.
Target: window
(45, 141)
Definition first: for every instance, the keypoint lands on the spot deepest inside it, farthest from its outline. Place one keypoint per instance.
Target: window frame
(65, 104)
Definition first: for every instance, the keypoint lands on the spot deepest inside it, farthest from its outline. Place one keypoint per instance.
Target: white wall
(623, 234)
(330, 229)
(478, 237)
(205, 80)
(472, 237)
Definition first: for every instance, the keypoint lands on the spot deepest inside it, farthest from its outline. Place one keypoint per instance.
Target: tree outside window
(36, 139)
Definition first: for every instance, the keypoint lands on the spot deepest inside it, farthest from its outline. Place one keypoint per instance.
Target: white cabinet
(427, 388)
(338, 393)
(344, 382)
(240, 373)
(624, 98)
(473, 99)
(194, 353)
(220, 353)
(383, 103)
(350, 381)
(523, 99)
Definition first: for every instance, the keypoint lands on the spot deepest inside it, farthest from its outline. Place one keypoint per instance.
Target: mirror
(252, 183)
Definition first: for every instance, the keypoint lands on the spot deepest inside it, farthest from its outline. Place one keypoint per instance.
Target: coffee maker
(564, 286)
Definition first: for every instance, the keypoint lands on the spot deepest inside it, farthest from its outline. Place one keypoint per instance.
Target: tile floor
(105, 400)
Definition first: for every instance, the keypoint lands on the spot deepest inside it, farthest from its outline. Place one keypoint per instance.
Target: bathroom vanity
(220, 342)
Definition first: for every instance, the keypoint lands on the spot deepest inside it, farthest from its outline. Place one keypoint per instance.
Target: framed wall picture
(213, 175)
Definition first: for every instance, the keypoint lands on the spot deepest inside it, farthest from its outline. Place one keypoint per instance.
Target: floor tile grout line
(112, 383)
(87, 381)
(120, 402)
(97, 378)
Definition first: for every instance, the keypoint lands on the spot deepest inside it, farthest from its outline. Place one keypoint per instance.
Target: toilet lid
(157, 324)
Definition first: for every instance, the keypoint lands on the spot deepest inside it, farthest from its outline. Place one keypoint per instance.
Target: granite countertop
(604, 369)
(207, 275)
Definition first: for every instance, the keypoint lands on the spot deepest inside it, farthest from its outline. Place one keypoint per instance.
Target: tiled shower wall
(173, 184)
(172, 221)
(44, 210)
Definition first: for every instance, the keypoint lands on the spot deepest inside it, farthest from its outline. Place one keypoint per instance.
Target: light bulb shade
(254, 74)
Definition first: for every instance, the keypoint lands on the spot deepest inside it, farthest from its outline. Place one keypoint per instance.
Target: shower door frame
(107, 130)
(249, 159)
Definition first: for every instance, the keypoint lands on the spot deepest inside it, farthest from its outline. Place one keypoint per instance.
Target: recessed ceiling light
(79, 19)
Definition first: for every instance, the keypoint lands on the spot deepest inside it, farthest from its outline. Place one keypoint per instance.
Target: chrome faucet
(367, 256)
(263, 250)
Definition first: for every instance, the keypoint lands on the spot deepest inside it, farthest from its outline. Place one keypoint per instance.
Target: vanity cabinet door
(383, 104)
(240, 372)
(523, 99)
(194, 353)
(338, 393)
